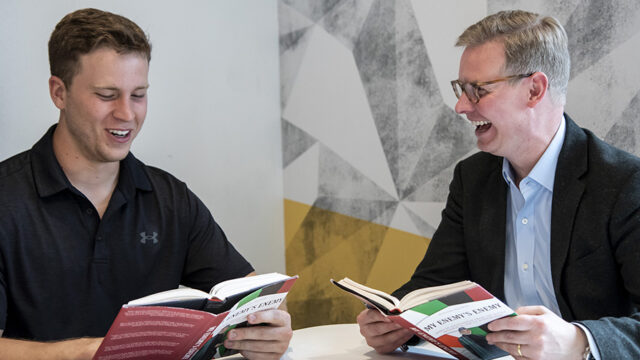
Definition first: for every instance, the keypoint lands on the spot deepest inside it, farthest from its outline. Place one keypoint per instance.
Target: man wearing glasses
(546, 217)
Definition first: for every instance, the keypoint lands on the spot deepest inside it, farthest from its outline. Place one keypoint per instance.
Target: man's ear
(58, 92)
(537, 88)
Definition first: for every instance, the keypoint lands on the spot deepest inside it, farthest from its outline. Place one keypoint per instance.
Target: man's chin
(114, 157)
(487, 148)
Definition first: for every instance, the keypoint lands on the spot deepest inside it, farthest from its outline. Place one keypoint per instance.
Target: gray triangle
(597, 27)
(345, 20)
(338, 179)
(387, 216)
(423, 227)
(418, 94)
(313, 9)
(436, 189)
(375, 56)
(451, 138)
(624, 133)
(292, 39)
(400, 84)
(367, 210)
(290, 20)
(292, 50)
(295, 142)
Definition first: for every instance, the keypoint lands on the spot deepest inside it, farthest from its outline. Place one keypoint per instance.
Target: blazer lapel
(567, 192)
(492, 229)
(499, 221)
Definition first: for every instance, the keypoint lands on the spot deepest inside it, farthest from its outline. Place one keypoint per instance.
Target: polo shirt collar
(132, 176)
(49, 178)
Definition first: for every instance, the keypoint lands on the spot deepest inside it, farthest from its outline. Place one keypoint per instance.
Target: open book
(221, 297)
(186, 323)
(453, 317)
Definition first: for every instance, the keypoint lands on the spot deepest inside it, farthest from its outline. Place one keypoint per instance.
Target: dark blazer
(595, 237)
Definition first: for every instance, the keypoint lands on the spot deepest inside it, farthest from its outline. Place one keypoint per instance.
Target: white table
(344, 342)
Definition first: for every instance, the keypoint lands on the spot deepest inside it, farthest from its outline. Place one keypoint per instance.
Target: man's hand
(269, 340)
(381, 333)
(540, 333)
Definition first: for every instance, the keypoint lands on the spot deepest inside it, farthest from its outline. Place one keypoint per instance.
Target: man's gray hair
(531, 43)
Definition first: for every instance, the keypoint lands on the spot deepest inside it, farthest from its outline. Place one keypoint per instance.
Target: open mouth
(120, 133)
(481, 126)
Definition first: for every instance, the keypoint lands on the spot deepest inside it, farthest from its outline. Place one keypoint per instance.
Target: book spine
(404, 323)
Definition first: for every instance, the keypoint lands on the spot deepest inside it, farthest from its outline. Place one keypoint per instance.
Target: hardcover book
(453, 317)
(186, 323)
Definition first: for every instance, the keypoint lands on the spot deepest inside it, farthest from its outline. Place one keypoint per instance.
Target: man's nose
(464, 105)
(124, 109)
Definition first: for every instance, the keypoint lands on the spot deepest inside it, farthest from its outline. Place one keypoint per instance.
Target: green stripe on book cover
(430, 308)
(249, 297)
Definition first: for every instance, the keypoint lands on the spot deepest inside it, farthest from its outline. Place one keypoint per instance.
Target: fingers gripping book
(453, 317)
(186, 323)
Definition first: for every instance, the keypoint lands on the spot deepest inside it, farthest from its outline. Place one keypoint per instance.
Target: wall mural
(369, 143)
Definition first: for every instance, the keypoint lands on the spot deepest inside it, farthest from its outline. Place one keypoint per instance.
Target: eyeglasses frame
(477, 84)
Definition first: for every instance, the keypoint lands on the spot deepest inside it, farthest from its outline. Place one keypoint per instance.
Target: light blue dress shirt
(527, 276)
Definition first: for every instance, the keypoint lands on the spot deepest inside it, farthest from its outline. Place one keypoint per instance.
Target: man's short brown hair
(532, 42)
(83, 31)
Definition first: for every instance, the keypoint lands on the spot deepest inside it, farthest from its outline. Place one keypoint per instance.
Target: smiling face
(501, 117)
(104, 108)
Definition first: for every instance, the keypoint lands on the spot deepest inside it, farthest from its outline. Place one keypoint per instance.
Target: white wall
(213, 119)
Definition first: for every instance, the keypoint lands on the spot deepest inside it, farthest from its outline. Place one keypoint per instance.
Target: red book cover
(157, 332)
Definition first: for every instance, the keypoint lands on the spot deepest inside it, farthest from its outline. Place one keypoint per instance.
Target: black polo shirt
(64, 272)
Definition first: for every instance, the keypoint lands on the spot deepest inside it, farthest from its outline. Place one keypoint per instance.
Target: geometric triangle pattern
(295, 142)
(611, 23)
(370, 139)
(323, 244)
(626, 131)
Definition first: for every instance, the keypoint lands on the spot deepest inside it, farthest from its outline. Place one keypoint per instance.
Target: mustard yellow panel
(294, 214)
(397, 258)
(329, 245)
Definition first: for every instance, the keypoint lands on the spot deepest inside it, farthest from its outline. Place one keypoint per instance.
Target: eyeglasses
(474, 90)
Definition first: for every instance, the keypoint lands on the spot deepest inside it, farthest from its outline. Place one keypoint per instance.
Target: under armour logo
(144, 237)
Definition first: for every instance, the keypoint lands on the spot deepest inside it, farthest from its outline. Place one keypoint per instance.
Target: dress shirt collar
(545, 169)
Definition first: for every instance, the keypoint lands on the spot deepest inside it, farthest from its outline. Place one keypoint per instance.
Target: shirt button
(99, 238)
(525, 221)
(525, 266)
(89, 211)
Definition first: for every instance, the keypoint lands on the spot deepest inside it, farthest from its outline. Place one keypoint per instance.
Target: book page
(375, 297)
(234, 286)
(180, 294)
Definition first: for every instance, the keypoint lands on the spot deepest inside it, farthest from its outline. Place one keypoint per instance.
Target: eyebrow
(113, 88)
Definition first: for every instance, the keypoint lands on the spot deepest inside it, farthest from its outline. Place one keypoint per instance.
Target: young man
(546, 217)
(85, 226)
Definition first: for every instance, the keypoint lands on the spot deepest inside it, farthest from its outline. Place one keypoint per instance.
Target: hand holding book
(192, 324)
(454, 317)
